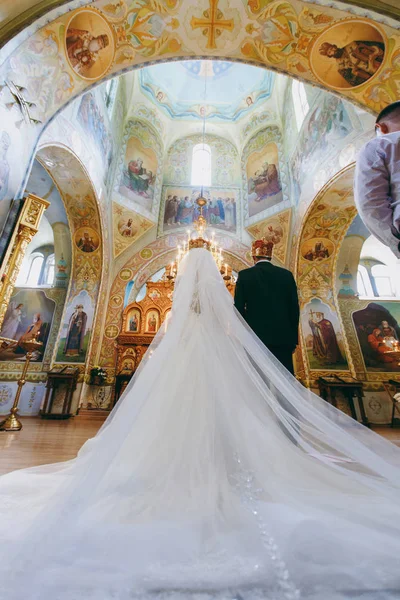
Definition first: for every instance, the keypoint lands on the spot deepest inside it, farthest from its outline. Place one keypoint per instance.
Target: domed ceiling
(225, 91)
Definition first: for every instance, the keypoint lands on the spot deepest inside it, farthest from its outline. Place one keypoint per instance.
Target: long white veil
(217, 473)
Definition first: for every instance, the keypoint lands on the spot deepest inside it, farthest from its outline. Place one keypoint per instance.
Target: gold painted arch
(13, 23)
(323, 229)
(290, 37)
(131, 35)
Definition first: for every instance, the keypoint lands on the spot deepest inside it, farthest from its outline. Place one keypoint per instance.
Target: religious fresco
(89, 44)
(181, 210)
(322, 337)
(322, 133)
(232, 89)
(275, 229)
(317, 244)
(29, 315)
(89, 266)
(264, 187)
(317, 249)
(285, 36)
(140, 172)
(257, 121)
(128, 227)
(378, 332)
(76, 329)
(348, 54)
(95, 123)
(87, 239)
(261, 173)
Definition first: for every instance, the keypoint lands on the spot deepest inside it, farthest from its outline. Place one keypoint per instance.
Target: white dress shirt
(377, 188)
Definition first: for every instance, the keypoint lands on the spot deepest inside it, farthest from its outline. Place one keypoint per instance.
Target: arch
(89, 268)
(322, 231)
(140, 267)
(14, 24)
(164, 31)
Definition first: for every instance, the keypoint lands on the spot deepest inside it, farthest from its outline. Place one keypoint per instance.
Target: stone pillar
(26, 227)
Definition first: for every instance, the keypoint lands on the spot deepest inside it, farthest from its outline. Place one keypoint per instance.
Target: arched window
(383, 283)
(201, 165)
(35, 270)
(300, 102)
(49, 270)
(364, 287)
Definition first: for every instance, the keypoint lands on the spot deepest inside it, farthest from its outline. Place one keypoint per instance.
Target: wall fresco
(87, 248)
(29, 314)
(91, 117)
(378, 332)
(141, 165)
(321, 236)
(180, 208)
(264, 188)
(263, 179)
(322, 337)
(128, 228)
(275, 229)
(81, 46)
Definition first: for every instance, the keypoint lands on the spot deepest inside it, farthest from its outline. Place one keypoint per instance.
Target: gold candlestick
(11, 422)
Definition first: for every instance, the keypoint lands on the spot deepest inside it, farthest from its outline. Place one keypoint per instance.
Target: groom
(266, 297)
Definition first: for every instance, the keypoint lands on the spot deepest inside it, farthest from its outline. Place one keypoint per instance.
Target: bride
(218, 476)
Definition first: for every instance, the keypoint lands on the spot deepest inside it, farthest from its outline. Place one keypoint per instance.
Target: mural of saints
(76, 332)
(83, 48)
(12, 320)
(133, 323)
(325, 346)
(265, 182)
(140, 178)
(356, 62)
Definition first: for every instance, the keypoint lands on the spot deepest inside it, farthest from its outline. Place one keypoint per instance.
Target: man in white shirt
(377, 180)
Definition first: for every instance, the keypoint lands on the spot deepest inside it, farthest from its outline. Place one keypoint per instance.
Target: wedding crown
(201, 240)
(262, 248)
(199, 243)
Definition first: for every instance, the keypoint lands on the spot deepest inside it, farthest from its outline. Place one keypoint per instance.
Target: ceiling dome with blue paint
(225, 91)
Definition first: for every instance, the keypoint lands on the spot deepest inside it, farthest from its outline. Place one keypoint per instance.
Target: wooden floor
(46, 441)
(41, 441)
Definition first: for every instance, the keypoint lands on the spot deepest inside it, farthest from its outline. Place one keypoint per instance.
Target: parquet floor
(45, 441)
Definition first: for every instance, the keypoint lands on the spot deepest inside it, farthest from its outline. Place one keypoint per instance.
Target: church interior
(115, 116)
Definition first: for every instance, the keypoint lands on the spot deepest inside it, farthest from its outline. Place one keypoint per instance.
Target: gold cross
(212, 24)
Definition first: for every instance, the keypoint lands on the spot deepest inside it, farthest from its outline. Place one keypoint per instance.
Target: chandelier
(200, 238)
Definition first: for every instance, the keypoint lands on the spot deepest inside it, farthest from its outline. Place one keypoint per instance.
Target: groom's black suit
(266, 297)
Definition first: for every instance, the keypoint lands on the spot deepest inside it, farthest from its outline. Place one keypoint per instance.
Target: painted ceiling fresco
(293, 37)
(354, 53)
(220, 90)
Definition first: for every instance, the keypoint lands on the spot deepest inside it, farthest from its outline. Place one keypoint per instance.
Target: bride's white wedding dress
(217, 476)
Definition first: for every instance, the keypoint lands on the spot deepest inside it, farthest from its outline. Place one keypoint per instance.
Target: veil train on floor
(216, 476)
